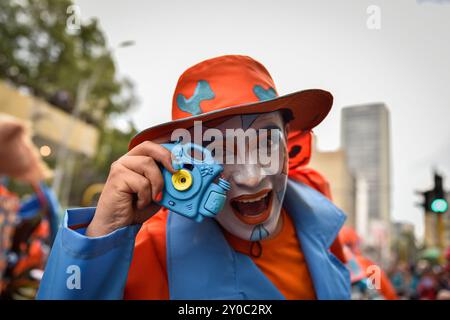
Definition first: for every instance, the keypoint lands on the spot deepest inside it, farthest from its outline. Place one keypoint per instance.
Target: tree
(38, 51)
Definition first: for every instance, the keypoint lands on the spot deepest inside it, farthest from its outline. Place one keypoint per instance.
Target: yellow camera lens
(182, 180)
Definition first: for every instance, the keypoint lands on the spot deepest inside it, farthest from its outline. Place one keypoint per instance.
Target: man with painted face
(271, 240)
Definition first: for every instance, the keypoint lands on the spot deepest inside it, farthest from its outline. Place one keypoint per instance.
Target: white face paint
(253, 206)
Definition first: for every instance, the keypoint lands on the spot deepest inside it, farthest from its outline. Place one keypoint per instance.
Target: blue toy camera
(191, 191)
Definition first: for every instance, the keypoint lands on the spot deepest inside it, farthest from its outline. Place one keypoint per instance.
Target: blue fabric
(264, 94)
(201, 264)
(103, 262)
(32, 207)
(54, 209)
(202, 92)
(318, 222)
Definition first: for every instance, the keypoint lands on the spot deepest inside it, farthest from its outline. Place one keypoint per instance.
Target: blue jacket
(200, 263)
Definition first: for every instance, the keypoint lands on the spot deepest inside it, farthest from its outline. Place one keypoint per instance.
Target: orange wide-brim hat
(237, 85)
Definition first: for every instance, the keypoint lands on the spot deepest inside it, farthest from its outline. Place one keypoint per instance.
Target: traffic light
(435, 199)
(439, 205)
(435, 205)
(438, 199)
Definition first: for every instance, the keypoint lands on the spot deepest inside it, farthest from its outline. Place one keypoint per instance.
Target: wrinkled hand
(134, 184)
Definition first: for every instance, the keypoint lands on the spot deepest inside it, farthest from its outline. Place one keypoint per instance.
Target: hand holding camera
(150, 176)
(133, 186)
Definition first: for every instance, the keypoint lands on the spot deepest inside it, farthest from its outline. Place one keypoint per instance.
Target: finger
(132, 182)
(147, 167)
(156, 151)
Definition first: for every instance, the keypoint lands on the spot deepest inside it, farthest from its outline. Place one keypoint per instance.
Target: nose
(248, 176)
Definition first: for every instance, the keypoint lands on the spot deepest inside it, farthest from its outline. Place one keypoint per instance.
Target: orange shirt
(281, 260)
(147, 277)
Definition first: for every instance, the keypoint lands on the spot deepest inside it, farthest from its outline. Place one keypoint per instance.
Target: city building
(333, 166)
(365, 138)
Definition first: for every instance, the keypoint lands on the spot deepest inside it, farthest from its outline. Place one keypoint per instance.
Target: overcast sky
(305, 44)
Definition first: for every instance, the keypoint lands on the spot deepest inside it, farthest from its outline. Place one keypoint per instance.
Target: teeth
(254, 199)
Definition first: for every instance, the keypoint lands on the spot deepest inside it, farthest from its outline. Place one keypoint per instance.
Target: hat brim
(308, 107)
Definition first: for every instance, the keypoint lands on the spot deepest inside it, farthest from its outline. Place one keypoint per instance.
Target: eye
(269, 140)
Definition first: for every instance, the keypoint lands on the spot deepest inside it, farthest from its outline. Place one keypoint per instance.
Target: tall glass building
(365, 137)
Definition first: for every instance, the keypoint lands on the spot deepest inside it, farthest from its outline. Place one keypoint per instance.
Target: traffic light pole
(441, 235)
(435, 205)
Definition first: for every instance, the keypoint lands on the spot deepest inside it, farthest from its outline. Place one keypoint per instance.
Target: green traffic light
(439, 205)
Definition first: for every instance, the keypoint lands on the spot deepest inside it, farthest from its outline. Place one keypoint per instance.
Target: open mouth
(253, 208)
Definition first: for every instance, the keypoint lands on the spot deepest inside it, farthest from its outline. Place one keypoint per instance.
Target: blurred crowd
(423, 280)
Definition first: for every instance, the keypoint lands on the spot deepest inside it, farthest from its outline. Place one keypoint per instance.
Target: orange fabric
(35, 256)
(350, 238)
(147, 277)
(299, 148)
(311, 178)
(34, 259)
(231, 86)
(282, 261)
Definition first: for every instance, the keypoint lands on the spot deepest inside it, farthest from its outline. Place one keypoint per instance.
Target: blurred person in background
(19, 158)
(363, 270)
(444, 279)
(22, 249)
(405, 279)
(428, 285)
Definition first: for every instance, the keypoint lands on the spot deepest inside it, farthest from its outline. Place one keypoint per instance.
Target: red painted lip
(257, 219)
